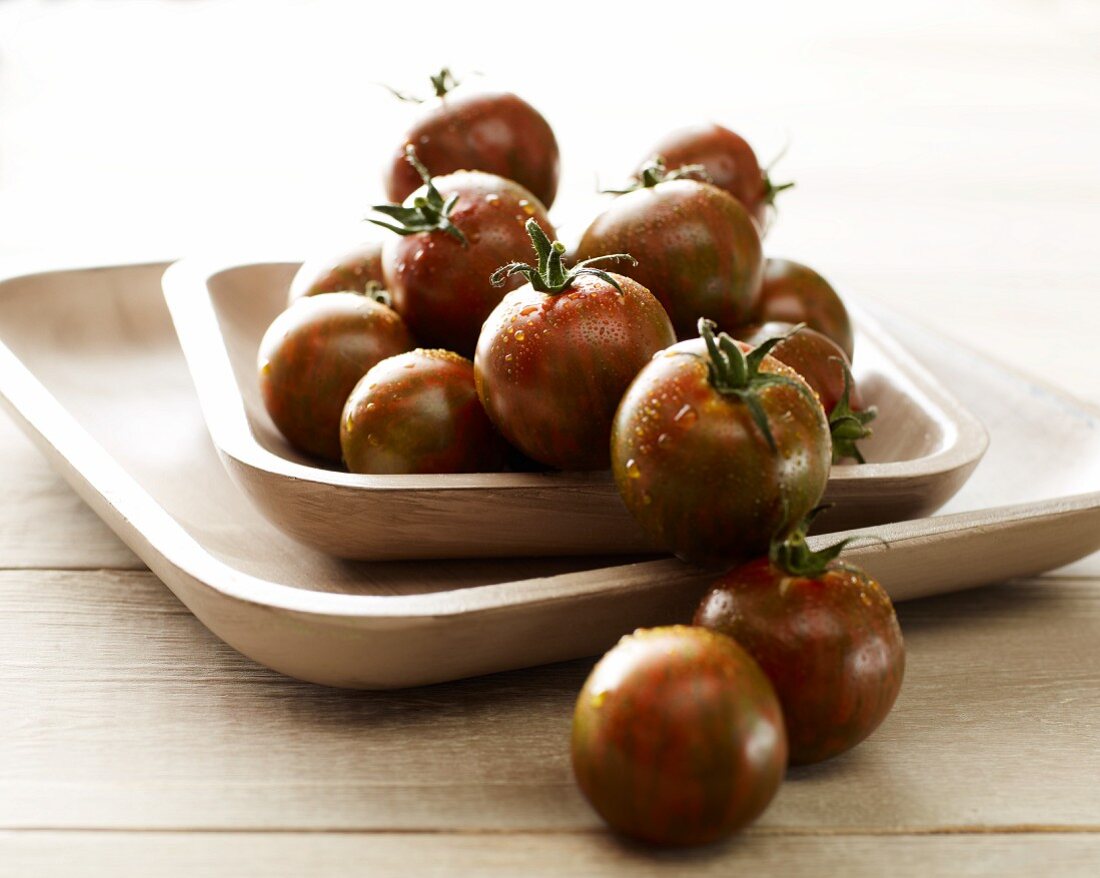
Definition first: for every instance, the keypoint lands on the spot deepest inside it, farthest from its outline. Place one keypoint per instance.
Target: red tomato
(678, 737)
(729, 163)
(793, 293)
(714, 452)
(826, 369)
(495, 132)
(419, 413)
(311, 357)
(355, 270)
(824, 632)
(697, 249)
(555, 356)
(452, 234)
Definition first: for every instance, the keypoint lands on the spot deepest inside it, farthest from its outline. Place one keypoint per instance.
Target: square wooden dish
(92, 371)
(924, 447)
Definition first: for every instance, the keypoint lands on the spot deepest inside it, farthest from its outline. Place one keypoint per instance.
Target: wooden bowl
(924, 447)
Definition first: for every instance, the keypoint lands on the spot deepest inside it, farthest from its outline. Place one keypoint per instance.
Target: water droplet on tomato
(370, 406)
(265, 367)
(508, 358)
(663, 439)
(686, 417)
(530, 309)
(646, 498)
(632, 469)
(492, 198)
(528, 207)
(373, 440)
(520, 335)
(410, 365)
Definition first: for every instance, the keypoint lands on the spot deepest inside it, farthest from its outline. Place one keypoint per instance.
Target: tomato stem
(550, 275)
(655, 171)
(422, 213)
(735, 373)
(846, 425)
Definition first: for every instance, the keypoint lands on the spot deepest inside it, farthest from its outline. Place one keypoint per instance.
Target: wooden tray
(91, 369)
(924, 447)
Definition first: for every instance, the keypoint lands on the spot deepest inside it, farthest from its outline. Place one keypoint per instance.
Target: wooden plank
(42, 522)
(119, 855)
(126, 713)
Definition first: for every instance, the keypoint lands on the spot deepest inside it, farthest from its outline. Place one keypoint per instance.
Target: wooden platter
(925, 446)
(91, 369)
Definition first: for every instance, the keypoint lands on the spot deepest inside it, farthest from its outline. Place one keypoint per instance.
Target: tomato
(793, 293)
(824, 632)
(452, 234)
(556, 355)
(698, 251)
(678, 737)
(714, 452)
(496, 132)
(418, 412)
(311, 357)
(355, 270)
(729, 163)
(826, 369)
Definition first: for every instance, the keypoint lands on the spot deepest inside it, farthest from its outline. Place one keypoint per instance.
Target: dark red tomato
(452, 235)
(715, 452)
(793, 293)
(697, 249)
(495, 132)
(826, 369)
(728, 161)
(418, 412)
(814, 356)
(355, 270)
(556, 355)
(825, 633)
(311, 357)
(677, 737)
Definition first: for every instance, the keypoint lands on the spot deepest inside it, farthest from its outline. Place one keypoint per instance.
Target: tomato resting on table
(311, 357)
(357, 269)
(715, 450)
(826, 369)
(452, 234)
(418, 412)
(728, 162)
(556, 354)
(678, 737)
(697, 250)
(793, 293)
(824, 632)
(466, 130)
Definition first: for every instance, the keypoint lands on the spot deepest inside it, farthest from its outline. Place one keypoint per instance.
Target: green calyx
(426, 213)
(442, 82)
(656, 171)
(794, 556)
(771, 189)
(848, 426)
(550, 274)
(737, 374)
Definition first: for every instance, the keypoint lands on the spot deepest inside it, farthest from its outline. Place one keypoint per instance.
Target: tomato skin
(348, 271)
(551, 368)
(678, 737)
(698, 251)
(439, 285)
(698, 474)
(794, 293)
(496, 132)
(830, 645)
(727, 158)
(813, 356)
(311, 357)
(418, 412)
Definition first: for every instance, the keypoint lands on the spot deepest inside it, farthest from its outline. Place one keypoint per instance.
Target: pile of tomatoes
(715, 384)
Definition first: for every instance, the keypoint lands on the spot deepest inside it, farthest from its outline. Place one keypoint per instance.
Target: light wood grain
(116, 855)
(996, 727)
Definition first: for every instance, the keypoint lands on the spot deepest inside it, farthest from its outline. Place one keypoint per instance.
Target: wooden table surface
(947, 161)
